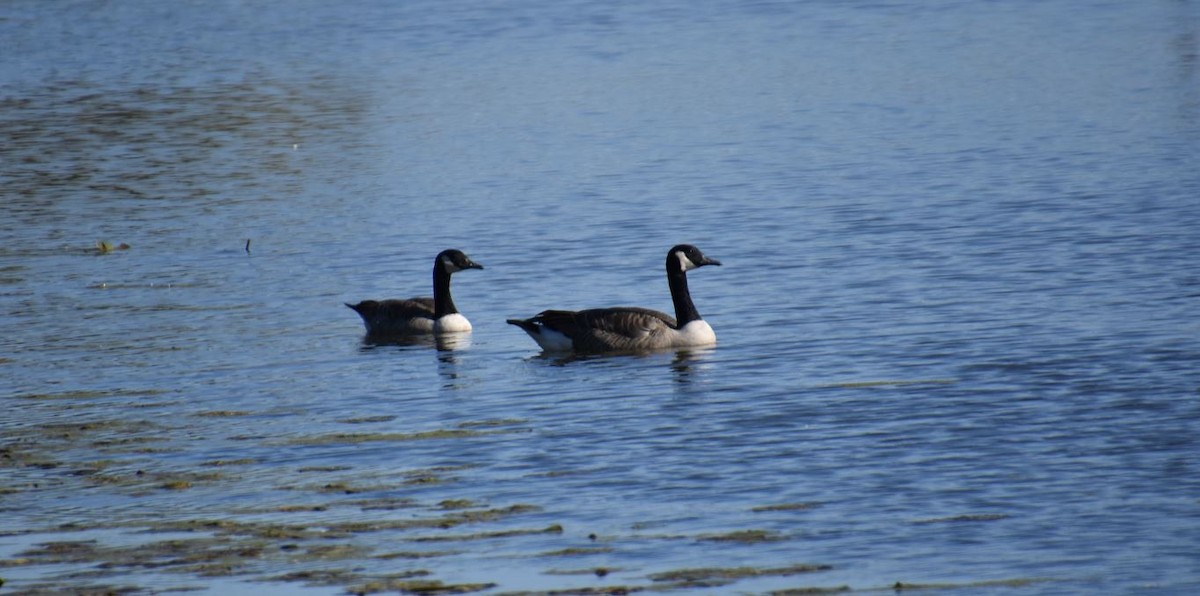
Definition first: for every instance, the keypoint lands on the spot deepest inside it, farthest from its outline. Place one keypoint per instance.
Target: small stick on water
(247, 246)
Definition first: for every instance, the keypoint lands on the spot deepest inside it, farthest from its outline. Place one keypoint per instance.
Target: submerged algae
(745, 536)
(722, 575)
(996, 583)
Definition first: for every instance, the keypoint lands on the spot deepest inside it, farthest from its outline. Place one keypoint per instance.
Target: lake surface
(958, 317)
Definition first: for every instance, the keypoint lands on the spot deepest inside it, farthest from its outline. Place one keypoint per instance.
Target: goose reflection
(688, 363)
(447, 342)
(452, 342)
(682, 362)
(450, 348)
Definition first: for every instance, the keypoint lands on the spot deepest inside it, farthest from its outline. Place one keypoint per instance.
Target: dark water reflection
(958, 324)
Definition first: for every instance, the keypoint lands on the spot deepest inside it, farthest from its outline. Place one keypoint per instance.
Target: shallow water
(958, 316)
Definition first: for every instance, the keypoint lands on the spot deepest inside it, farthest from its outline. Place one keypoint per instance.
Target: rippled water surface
(958, 317)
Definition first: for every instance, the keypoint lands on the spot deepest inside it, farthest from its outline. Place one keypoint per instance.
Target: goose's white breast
(452, 323)
(696, 333)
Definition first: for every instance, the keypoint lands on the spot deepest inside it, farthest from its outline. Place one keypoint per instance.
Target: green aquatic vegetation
(86, 589)
(889, 383)
(492, 423)
(744, 536)
(141, 479)
(645, 525)
(552, 529)
(63, 550)
(596, 571)
(192, 555)
(341, 529)
(383, 504)
(367, 419)
(13, 456)
(577, 551)
(150, 404)
(362, 527)
(591, 590)
(222, 553)
(994, 583)
(198, 550)
(125, 441)
(347, 489)
(336, 438)
(810, 591)
(483, 515)
(554, 474)
(440, 469)
(416, 477)
(449, 520)
(109, 436)
(415, 586)
(975, 517)
(193, 525)
(407, 582)
(722, 575)
(69, 430)
(323, 469)
(297, 508)
(91, 468)
(87, 394)
(225, 527)
(144, 450)
(6, 280)
(786, 507)
(332, 552)
(222, 413)
(216, 463)
(457, 504)
(318, 577)
(214, 569)
(277, 531)
(424, 479)
(415, 554)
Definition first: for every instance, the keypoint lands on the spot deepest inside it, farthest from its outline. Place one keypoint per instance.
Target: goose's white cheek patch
(450, 266)
(685, 264)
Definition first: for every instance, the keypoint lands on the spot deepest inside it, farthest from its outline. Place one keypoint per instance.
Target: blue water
(958, 321)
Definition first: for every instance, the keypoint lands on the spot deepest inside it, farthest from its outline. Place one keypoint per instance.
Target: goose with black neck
(421, 315)
(629, 328)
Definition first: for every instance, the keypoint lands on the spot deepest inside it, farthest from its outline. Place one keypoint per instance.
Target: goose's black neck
(685, 311)
(443, 304)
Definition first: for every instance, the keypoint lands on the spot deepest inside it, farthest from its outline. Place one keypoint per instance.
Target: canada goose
(622, 329)
(422, 315)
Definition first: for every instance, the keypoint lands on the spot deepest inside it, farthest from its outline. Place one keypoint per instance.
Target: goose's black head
(366, 309)
(453, 261)
(685, 257)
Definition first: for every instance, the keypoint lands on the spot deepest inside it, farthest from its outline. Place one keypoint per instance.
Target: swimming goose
(628, 328)
(422, 315)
